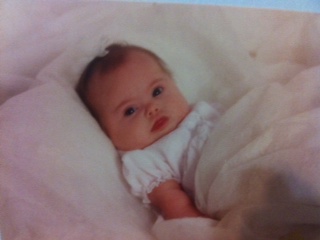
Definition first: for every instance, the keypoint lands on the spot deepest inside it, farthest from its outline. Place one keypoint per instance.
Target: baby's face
(137, 103)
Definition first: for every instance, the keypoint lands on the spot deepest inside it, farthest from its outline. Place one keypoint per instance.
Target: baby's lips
(159, 124)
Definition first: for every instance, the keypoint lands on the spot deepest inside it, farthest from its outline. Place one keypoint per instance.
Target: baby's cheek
(131, 136)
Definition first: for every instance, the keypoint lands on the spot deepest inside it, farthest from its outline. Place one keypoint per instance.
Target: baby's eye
(129, 111)
(157, 91)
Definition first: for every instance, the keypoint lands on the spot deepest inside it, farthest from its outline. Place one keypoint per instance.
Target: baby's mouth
(160, 124)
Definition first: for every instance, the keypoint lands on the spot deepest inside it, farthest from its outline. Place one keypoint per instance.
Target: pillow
(59, 173)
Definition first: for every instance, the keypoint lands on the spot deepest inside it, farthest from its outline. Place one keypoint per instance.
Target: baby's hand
(173, 202)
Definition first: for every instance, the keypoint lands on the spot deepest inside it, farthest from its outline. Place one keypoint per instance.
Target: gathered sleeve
(145, 170)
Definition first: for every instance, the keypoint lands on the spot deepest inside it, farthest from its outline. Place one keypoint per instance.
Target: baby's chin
(160, 135)
(136, 145)
(139, 145)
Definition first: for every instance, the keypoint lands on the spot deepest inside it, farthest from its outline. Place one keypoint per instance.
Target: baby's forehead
(133, 58)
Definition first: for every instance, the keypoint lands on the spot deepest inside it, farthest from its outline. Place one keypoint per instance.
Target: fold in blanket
(260, 169)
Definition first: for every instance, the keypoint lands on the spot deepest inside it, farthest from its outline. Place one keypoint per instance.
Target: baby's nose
(152, 110)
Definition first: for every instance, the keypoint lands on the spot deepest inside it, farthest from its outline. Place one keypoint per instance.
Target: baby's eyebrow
(122, 104)
(156, 81)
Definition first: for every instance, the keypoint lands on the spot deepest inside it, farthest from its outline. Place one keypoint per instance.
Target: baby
(132, 94)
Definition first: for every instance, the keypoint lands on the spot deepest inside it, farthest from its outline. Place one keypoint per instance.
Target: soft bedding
(268, 172)
(258, 173)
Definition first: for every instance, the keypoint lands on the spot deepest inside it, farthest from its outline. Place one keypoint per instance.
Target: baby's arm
(172, 201)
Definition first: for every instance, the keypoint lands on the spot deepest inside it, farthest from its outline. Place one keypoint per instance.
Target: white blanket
(263, 160)
(60, 175)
